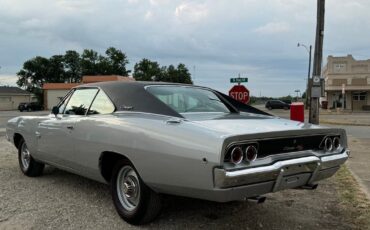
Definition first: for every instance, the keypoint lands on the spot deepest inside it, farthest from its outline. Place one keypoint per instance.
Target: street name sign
(238, 80)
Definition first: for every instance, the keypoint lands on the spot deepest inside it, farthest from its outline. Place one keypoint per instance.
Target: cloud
(191, 12)
(273, 28)
(220, 38)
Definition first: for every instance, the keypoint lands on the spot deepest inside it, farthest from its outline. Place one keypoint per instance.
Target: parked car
(29, 106)
(289, 102)
(147, 139)
(277, 104)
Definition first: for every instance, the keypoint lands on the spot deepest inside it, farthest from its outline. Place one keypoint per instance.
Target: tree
(117, 61)
(34, 73)
(72, 66)
(90, 62)
(56, 72)
(147, 70)
(183, 74)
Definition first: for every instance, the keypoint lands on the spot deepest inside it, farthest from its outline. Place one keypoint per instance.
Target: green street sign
(238, 80)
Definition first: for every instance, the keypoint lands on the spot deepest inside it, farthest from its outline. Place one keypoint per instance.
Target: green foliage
(70, 67)
(147, 70)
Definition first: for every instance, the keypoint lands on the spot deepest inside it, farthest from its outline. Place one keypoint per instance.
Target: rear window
(184, 99)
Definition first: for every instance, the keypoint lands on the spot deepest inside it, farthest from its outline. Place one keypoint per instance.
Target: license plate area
(294, 181)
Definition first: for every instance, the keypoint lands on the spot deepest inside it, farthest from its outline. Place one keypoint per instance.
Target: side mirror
(55, 110)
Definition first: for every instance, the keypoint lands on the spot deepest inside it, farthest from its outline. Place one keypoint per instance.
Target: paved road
(355, 131)
(6, 115)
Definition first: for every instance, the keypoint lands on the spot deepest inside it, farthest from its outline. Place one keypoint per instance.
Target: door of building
(358, 100)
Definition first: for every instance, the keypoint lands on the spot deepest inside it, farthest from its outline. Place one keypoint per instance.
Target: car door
(55, 141)
(89, 136)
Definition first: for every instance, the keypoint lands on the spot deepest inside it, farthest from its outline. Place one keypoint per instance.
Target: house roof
(86, 79)
(11, 90)
(60, 86)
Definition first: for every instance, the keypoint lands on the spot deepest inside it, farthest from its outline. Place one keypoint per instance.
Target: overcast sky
(216, 38)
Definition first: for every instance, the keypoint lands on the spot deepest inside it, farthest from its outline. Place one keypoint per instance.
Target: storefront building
(347, 83)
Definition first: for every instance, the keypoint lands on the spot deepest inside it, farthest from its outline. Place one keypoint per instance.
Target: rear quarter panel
(168, 157)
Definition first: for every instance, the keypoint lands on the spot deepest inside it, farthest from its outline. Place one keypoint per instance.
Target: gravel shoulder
(60, 200)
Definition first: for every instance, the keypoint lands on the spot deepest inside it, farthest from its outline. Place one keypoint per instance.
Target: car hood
(245, 123)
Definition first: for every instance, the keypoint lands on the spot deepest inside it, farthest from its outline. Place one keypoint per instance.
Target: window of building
(339, 67)
(101, 105)
(359, 96)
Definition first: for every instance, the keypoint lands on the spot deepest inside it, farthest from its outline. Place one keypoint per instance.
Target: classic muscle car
(147, 139)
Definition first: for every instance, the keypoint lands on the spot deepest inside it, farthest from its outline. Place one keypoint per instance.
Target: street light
(297, 91)
(308, 93)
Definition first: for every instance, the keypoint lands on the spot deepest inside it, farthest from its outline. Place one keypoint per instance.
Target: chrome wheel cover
(25, 157)
(128, 188)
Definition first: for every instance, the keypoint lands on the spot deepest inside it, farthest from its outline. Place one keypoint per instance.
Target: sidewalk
(345, 117)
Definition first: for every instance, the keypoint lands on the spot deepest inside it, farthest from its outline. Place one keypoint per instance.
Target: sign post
(239, 92)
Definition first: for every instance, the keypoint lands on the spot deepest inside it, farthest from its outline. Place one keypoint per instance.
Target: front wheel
(28, 165)
(135, 202)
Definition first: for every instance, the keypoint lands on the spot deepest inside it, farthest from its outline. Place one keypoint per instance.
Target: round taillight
(236, 155)
(336, 143)
(251, 153)
(328, 144)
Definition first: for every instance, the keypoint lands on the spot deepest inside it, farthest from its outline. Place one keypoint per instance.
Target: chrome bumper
(285, 174)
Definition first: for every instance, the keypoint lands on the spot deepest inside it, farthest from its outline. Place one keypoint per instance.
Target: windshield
(185, 99)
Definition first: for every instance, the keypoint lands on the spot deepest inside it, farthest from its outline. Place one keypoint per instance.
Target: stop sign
(239, 93)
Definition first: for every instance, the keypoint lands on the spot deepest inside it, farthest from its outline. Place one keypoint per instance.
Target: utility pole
(317, 84)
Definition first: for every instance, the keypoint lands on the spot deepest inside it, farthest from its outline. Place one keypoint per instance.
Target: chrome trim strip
(275, 167)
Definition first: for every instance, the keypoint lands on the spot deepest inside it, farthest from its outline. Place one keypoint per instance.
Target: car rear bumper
(293, 173)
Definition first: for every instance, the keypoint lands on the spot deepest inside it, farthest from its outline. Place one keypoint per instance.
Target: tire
(27, 164)
(135, 202)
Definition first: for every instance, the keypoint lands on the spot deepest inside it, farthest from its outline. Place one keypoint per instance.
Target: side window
(101, 105)
(80, 101)
(63, 104)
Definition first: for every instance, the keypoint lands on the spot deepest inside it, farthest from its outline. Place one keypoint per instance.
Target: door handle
(70, 127)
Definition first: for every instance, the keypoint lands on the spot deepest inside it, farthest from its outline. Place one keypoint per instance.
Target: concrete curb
(342, 123)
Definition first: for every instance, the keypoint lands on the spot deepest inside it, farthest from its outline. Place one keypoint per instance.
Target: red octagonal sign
(239, 93)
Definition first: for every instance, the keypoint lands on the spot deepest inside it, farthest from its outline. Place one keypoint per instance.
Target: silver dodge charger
(146, 139)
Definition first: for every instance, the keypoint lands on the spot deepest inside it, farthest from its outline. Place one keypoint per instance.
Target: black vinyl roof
(132, 96)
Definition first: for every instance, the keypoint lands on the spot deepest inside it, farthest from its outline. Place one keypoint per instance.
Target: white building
(345, 74)
(10, 97)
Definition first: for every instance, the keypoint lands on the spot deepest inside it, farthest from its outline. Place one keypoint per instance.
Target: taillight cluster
(331, 144)
(238, 154)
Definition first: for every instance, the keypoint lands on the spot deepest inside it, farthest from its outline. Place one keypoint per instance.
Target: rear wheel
(28, 165)
(135, 202)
